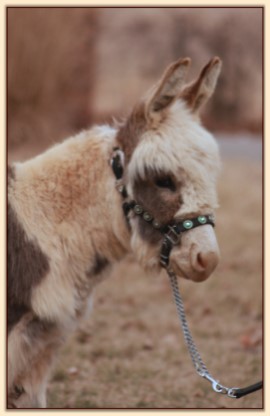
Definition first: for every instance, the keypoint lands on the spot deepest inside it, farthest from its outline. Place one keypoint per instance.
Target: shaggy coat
(66, 226)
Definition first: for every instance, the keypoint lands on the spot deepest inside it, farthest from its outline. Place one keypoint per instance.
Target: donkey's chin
(148, 256)
(185, 270)
(189, 274)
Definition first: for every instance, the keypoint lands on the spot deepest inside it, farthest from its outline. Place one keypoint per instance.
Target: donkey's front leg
(32, 346)
(27, 395)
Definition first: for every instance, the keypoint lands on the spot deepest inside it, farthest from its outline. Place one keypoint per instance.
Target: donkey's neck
(73, 185)
(101, 207)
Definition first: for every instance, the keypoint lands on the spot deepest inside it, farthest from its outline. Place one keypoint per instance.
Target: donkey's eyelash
(166, 182)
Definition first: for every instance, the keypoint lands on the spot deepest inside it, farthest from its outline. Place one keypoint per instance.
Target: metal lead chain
(198, 363)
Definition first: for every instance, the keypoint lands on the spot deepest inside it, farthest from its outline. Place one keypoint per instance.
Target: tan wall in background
(51, 67)
(68, 67)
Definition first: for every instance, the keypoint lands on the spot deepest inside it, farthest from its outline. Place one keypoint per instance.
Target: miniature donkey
(66, 226)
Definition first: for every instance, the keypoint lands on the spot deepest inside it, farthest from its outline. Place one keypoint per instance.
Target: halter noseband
(172, 231)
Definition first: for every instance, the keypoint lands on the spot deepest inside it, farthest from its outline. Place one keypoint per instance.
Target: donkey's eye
(165, 182)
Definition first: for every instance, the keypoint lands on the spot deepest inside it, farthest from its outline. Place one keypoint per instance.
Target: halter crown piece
(171, 237)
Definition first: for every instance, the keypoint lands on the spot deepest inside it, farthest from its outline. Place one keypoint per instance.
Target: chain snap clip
(216, 386)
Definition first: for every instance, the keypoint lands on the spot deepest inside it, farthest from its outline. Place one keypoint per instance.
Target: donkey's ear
(198, 92)
(167, 89)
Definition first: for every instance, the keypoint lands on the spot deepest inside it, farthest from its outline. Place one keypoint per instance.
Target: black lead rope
(247, 390)
(172, 237)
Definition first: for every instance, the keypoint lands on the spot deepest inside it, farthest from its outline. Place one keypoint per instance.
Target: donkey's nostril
(202, 261)
(205, 261)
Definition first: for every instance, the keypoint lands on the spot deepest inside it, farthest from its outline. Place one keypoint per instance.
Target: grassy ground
(131, 352)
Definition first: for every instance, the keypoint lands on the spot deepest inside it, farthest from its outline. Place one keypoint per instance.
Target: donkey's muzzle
(198, 255)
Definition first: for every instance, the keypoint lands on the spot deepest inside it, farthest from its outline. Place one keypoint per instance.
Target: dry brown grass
(131, 353)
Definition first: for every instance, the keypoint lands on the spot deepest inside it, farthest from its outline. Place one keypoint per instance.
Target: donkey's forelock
(180, 144)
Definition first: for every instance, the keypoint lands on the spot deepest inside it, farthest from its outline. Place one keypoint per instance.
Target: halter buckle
(119, 185)
(173, 236)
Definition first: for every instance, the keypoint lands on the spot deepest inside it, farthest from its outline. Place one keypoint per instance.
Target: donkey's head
(171, 166)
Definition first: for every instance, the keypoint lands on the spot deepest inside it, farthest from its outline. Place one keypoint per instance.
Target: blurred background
(71, 67)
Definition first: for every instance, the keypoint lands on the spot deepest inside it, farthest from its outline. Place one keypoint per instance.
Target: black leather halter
(172, 231)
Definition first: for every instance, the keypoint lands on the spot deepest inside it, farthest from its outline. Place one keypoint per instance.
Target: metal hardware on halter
(173, 236)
